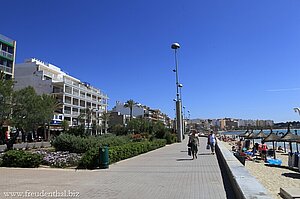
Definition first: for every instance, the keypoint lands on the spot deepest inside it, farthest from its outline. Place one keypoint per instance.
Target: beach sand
(273, 178)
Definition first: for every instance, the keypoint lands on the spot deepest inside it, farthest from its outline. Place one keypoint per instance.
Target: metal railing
(6, 54)
(5, 69)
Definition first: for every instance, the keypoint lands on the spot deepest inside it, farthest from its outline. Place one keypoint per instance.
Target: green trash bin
(104, 158)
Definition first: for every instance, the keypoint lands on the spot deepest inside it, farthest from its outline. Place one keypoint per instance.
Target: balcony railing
(5, 68)
(6, 54)
(67, 112)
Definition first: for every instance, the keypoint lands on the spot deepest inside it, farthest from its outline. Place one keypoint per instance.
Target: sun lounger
(272, 161)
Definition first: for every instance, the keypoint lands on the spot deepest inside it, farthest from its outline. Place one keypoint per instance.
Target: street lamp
(175, 46)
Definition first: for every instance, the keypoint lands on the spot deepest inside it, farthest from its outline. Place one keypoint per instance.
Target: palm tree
(105, 117)
(129, 104)
(86, 117)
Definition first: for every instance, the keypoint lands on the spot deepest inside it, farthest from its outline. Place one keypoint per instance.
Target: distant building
(7, 56)
(75, 96)
(142, 111)
(116, 118)
(229, 123)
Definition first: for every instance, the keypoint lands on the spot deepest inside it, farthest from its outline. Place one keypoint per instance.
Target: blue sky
(238, 59)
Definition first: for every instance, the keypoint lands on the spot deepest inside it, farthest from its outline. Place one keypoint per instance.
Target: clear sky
(238, 58)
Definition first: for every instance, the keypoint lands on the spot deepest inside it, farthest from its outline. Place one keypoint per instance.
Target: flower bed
(59, 159)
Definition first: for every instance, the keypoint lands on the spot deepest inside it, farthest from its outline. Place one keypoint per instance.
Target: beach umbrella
(290, 137)
(281, 135)
(272, 137)
(261, 135)
(251, 136)
(245, 134)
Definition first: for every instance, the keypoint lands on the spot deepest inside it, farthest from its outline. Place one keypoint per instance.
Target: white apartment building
(75, 96)
(139, 110)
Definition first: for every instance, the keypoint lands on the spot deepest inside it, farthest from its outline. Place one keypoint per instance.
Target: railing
(5, 68)
(58, 90)
(67, 112)
(6, 54)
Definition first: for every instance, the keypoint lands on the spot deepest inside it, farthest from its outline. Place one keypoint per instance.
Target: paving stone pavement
(165, 173)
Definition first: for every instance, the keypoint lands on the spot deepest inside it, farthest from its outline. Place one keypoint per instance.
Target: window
(75, 111)
(75, 102)
(67, 110)
(82, 103)
(68, 100)
(68, 89)
(76, 92)
(88, 105)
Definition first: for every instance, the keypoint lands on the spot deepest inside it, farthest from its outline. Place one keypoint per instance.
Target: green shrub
(170, 138)
(90, 159)
(15, 158)
(77, 144)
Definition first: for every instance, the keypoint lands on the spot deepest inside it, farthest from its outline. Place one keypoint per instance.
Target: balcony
(5, 69)
(67, 112)
(6, 54)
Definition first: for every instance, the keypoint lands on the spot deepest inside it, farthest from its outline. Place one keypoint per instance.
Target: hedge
(77, 144)
(90, 160)
(15, 158)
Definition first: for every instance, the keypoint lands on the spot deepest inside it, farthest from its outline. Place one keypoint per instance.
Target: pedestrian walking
(212, 141)
(193, 143)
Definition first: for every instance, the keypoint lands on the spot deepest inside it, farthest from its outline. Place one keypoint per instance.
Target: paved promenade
(166, 173)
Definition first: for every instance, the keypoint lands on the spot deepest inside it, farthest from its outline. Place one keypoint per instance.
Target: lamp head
(175, 46)
(180, 85)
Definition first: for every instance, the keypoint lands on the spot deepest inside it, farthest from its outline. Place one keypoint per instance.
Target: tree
(6, 91)
(31, 110)
(65, 125)
(86, 116)
(47, 107)
(130, 104)
(105, 117)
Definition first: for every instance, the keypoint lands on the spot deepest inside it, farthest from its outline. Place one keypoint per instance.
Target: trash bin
(104, 158)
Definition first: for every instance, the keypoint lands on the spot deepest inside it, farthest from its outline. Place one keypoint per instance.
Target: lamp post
(184, 120)
(175, 46)
(182, 113)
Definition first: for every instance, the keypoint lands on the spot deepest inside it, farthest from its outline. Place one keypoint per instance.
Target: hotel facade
(73, 95)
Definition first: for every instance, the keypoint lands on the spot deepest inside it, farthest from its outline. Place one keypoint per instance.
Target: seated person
(280, 149)
(233, 148)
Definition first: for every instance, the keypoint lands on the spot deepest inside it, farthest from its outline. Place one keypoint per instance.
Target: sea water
(279, 132)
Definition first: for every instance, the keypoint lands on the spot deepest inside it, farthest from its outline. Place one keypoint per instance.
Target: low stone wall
(245, 185)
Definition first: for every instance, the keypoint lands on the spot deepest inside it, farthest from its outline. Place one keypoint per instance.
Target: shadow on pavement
(184, 159)
(204, 154)
(292, 175)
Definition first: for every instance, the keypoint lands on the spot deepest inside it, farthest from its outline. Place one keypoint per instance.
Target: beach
(272, 178)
